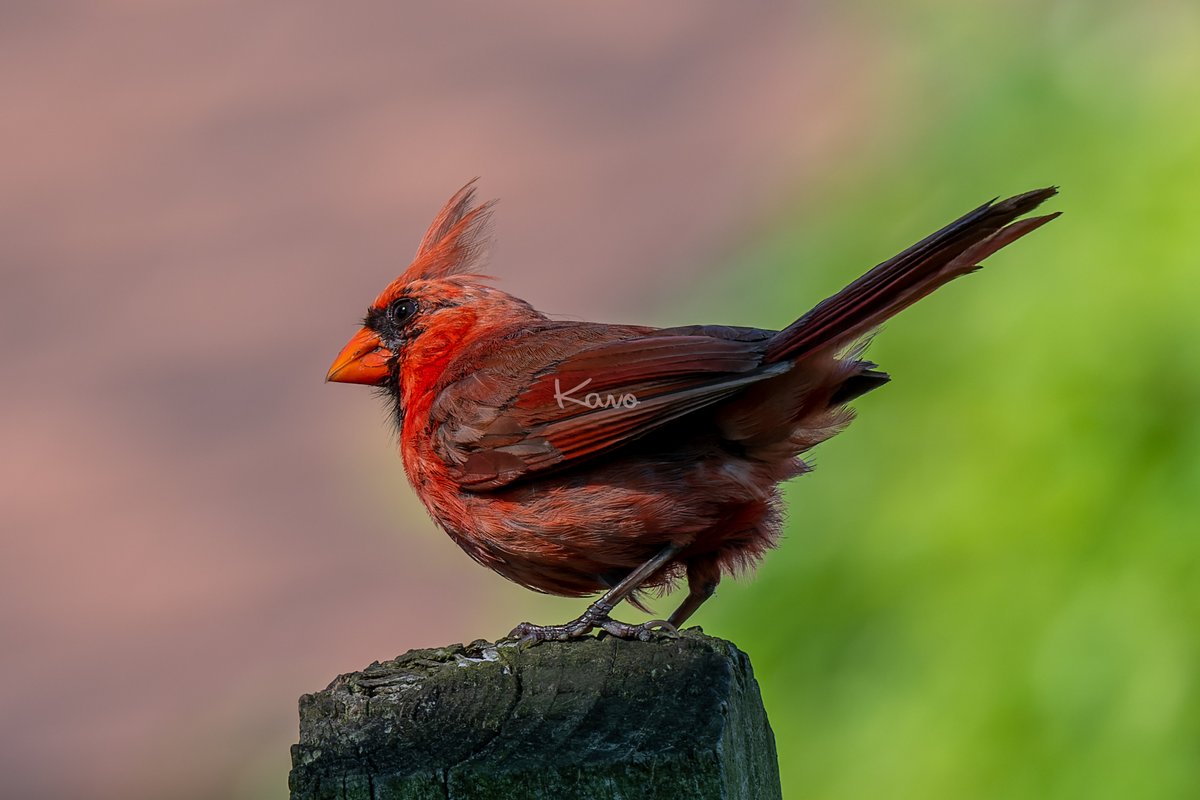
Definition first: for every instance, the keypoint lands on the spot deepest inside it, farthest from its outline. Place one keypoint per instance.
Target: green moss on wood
(597, 718)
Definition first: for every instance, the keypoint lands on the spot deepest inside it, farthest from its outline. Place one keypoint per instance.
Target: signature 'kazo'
(592, 399)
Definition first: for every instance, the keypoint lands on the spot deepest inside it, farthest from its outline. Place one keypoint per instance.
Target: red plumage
(575, 457)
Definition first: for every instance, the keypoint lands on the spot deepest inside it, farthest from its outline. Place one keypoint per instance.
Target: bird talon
(661, 627)
(643, 633)
(528, 634)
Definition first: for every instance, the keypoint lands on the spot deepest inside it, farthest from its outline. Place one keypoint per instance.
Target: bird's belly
(578, 533)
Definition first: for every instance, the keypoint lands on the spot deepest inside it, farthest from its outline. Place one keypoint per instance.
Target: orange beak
(364, 359)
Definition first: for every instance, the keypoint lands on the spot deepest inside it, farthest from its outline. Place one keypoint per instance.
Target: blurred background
(989, 588)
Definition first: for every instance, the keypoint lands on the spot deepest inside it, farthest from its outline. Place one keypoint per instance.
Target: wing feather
(492, 428)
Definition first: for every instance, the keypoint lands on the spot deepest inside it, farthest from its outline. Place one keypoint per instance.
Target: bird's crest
(456, 240)
(455, 243)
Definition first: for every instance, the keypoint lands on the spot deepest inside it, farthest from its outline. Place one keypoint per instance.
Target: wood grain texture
(597, 719)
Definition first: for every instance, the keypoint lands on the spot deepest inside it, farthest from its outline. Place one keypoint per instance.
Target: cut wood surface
(596, 718)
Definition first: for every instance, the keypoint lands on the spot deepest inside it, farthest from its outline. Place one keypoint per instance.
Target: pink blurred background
(199, 200)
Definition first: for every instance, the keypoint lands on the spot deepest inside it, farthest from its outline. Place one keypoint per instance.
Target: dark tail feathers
(904, 279)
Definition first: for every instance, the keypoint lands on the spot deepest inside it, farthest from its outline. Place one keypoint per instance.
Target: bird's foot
(643, 633)
(527, 633)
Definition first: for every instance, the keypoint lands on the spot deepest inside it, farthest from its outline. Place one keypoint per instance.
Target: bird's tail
(904, 279)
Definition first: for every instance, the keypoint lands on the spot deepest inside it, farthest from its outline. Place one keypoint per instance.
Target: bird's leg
(597, 613)
(694, 600)
(703, 577)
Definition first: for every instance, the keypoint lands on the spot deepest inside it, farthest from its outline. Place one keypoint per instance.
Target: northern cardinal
(578, 457)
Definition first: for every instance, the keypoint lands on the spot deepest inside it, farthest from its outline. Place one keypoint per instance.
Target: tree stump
(595, 718)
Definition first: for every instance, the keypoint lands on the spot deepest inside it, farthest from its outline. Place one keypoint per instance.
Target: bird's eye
(401, 311)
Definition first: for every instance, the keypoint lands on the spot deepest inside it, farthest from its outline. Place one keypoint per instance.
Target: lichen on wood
(596, 718)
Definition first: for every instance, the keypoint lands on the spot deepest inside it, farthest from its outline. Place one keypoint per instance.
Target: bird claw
(643, 633)
(529, 634)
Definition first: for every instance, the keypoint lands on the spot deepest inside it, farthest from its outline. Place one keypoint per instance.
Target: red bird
(578, 457)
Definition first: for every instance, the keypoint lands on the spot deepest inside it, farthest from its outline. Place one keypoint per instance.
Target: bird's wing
(572, 391)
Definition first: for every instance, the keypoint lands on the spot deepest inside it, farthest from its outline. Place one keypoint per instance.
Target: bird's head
(436, 297)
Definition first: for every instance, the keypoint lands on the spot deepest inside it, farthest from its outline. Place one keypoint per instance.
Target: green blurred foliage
(990, 587)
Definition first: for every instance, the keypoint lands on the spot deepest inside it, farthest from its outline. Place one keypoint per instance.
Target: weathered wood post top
(596, 718)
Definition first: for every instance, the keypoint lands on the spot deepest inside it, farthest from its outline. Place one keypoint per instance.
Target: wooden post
(597, 719)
